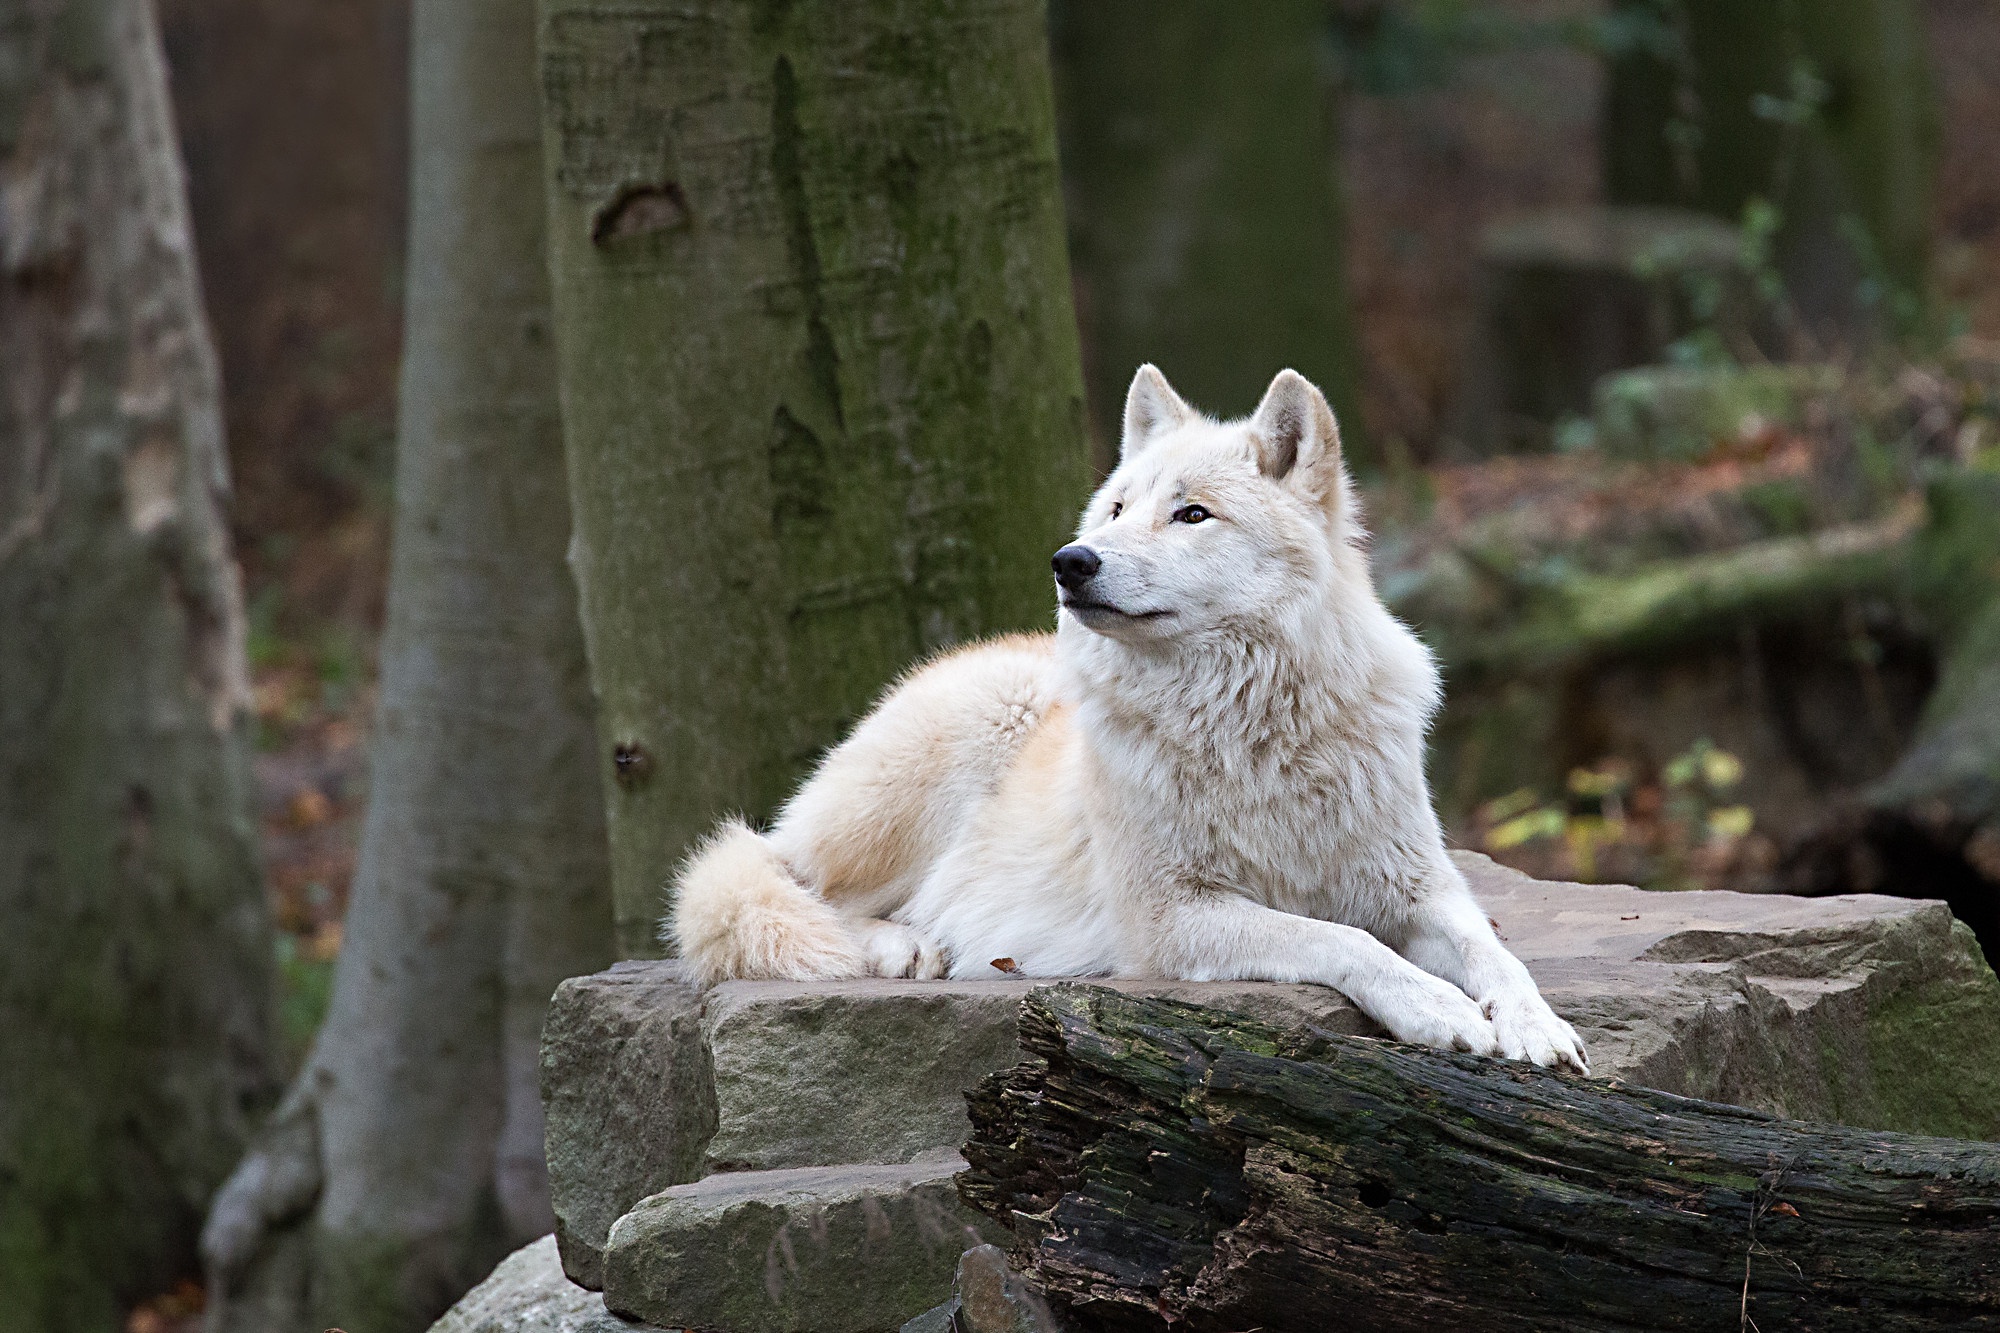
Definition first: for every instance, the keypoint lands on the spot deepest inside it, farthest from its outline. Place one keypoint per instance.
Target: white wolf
(1212, 770)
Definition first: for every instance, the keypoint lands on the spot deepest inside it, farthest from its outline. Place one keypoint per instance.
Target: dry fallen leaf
(1784, 1210)
(1006, 965)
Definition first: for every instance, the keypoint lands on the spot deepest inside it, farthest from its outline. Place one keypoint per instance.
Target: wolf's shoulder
(1002, 652)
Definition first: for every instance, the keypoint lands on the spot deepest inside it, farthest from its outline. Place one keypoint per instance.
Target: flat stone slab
(791, 1061)
(1869, 1010)
(837, 1249)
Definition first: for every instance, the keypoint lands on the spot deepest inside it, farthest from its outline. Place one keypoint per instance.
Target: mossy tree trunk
(820, 383)
(407, 1158)
(1827, 109)
(1930, 828)
(1201, 165)
(135, 1035)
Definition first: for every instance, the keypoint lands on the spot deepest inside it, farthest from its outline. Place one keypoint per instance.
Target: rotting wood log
(1167, 1166)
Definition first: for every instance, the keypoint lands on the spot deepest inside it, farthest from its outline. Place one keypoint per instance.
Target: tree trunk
(135, 1032)
(820, 384)
(1201, 163)
(1167, 1166)
(407, 1158)
(1826, 109)
(1931, 827)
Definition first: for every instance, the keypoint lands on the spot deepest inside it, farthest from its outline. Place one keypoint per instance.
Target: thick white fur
(1214, 772)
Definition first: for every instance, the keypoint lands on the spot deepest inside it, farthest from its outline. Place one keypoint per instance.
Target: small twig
(1766, 1196)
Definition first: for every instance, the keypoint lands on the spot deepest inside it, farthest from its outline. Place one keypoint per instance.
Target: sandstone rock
(989, 1297)
(1866, 1010)
(876, 1071)
(528, 1293)
(843, 1249)
(628, 1096)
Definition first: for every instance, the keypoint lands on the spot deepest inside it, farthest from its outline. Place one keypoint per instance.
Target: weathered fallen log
(1165, 1166)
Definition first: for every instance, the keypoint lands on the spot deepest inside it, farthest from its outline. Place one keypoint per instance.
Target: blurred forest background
(1666, 340)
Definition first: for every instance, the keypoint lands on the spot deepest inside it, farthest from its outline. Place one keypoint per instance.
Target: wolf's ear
(1298, 441)
(1151, 409)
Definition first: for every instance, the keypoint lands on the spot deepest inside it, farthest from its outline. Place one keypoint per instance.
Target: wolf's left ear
(1298, 441)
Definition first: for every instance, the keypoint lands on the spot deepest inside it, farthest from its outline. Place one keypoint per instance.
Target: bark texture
(820, 384)
(1201, 164)
(135, 1037)
(407, 1158)
(1165, 1166)
(1827, 109)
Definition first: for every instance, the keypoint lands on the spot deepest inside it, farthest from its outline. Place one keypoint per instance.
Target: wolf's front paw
(1529, 1030)
(894, 950)
(1427, 1011)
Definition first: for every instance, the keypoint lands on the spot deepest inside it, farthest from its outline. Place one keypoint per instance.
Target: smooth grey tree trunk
(1201, 162)
(820, 385)
(407, 1158)
(135, 1035)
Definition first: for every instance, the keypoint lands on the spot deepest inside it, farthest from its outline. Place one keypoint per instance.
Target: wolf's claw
(1529, 1030)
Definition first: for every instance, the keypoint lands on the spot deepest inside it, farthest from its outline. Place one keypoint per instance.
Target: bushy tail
(739, 914)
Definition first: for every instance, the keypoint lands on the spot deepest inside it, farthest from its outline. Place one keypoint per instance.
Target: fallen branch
(1589, 615)
(1169, 1166)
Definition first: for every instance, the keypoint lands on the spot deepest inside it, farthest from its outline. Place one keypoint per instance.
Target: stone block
(876, 1071)
(840, 1249)
(628, 1097)
(528, 1293)
(1861, 1009)
(988, 1297)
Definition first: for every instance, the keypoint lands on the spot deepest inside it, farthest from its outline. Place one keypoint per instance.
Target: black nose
(1074, 566)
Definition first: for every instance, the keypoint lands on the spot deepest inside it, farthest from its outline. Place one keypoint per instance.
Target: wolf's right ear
(1152, 408)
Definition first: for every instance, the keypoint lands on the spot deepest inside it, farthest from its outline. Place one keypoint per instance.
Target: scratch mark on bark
(822, 359)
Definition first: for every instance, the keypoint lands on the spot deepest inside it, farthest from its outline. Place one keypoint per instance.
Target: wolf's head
(1230, 527)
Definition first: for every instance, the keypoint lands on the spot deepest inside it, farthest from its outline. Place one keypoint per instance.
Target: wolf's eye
(1191, 514)
(1117, 508)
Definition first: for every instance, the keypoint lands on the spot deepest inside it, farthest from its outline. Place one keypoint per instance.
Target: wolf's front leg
(1225, 937)
(1454, 939)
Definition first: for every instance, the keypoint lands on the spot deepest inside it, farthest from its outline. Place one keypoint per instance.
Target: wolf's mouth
(1081, 605)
